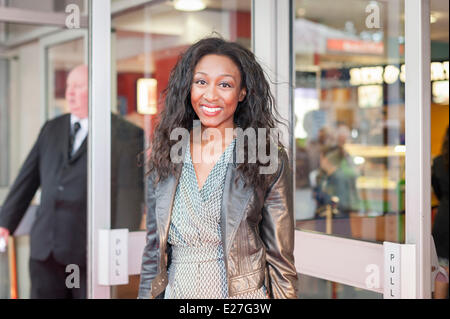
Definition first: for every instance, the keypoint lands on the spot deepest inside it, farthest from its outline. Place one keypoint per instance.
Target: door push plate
(113, 257)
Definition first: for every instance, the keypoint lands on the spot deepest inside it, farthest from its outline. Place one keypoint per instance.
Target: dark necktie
(76, 128)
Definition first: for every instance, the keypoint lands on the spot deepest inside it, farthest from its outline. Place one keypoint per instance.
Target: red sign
(355, 46)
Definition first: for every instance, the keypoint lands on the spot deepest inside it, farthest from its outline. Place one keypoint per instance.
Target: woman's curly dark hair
(257, 110)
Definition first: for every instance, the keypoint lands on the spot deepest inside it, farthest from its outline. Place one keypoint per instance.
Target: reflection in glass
(46, 5)
(316, 288)
(349, 119)
(48, 183)
(127, 181)
(61, 59)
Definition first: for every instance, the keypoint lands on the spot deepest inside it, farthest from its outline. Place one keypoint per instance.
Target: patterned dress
(197, 268)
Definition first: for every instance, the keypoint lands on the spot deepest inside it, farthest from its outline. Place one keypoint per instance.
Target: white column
(99, 165)
(272, 45)
(417, 116)
(271, 29)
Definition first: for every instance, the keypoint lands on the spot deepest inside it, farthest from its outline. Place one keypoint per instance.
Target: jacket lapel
(79, 151)
(234, 201)
(165, 194)
(165, 198)
(65, 134)
(65, 128)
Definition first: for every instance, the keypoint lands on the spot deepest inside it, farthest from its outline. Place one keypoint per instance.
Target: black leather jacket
(257, 233)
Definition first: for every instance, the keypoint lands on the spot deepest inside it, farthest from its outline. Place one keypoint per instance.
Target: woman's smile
(210, 110)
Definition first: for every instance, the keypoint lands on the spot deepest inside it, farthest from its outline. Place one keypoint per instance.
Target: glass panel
(43, 186)
(61, 59)
(316, 288)
(14, 32)
(349, 109)
(146, 45)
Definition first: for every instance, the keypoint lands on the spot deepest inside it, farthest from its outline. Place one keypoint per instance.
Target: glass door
(146, 40)
(31, 37)
(358, 106)
(355, 144)
(344, 81)
(349, 133)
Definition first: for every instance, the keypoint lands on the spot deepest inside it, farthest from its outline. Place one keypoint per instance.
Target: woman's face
(216, 91)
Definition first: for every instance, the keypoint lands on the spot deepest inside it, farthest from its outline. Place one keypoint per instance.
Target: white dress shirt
(82, 132)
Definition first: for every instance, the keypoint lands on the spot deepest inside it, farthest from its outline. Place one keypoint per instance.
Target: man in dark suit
(58, 164)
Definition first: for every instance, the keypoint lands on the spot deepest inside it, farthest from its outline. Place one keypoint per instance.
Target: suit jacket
(61, 220)
(257, 234)
(127, 176)
(439, 181)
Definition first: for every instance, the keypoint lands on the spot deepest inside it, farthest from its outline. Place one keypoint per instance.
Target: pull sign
(392, 255)
(113, 257)
(399, 270)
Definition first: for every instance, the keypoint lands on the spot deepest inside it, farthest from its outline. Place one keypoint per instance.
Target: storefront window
(147, 43)
(349, 112)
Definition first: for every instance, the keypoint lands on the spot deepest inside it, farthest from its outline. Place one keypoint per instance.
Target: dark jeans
(48, 280)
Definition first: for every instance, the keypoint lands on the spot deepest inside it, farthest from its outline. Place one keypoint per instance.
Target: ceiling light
(147, 96)
(189, 5)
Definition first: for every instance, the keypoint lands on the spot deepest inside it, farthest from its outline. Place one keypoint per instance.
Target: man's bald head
(77, 91)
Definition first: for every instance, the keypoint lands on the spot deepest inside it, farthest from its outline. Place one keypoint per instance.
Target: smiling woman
(215, 93)
(147, 41)
(215, 96)
(229, 229)
(221, 84)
